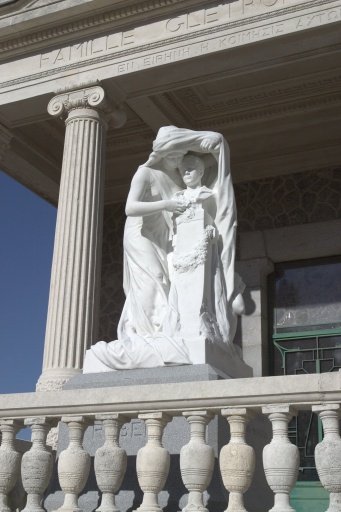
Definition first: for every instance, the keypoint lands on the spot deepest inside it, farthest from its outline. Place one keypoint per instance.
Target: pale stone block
(252, 245)
(252, 355)
(203, 351)
(252, 271)
(251, 330)
(299, 242)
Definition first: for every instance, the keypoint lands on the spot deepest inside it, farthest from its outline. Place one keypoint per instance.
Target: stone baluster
(237, 459)
(152, 462)
(37, 465)
(9, 461)
(110, 461)
(73, 464)
(281, 458)
(75, 279)
(197, 461)
(328, 453)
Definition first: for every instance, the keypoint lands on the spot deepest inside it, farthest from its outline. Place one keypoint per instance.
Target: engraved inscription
(194, 34)
(253, 5)
(229, 40)
(193, 21)
(136, 428)
(93, 47)
(319, 18)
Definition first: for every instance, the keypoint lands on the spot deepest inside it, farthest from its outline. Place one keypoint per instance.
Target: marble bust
(180, 202)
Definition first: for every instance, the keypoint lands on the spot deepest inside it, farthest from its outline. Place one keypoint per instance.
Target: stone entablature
(130, 48)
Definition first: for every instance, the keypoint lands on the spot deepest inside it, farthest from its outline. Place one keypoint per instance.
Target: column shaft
(75, 279)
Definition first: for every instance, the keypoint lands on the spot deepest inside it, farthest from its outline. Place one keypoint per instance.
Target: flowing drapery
(142, 340)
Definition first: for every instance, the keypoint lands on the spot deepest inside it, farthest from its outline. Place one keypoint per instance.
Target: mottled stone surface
(300, 198)
(112, 295)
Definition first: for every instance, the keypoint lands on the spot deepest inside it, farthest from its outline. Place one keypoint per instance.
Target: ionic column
(281, 458)
(328, 453)
(75, 278)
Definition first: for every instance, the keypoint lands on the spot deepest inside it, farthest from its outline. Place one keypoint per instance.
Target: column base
(53, 380)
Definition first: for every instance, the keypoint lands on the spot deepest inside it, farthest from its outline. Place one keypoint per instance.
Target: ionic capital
(90, 96)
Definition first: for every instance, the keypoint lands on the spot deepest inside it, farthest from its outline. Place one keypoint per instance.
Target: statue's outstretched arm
(136, 207)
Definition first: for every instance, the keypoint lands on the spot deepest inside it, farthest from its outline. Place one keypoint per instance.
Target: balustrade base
(176, 435)
(335, 502)
(192, 507)
(69, 509)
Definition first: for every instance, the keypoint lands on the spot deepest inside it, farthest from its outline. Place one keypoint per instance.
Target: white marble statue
(149, 334)
(197, 302)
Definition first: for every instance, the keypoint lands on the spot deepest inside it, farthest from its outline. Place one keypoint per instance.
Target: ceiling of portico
(277, 103)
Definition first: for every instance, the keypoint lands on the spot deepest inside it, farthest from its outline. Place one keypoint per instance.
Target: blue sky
(27, 225)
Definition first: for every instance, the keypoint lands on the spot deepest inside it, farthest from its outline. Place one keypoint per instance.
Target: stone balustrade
(238, 401)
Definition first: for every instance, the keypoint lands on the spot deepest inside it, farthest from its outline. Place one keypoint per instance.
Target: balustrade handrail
(278, 398)
(300, 391)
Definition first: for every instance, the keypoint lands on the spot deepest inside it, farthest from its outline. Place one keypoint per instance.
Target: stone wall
(112, 295)
(301, 198)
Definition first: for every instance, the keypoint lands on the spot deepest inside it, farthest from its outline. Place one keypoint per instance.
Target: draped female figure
(142, 340)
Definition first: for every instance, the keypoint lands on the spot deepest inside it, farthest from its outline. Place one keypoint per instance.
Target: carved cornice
(253, 105)
(204, 103)
(169, 102)
(91, 97)
(98, 20)
(273, 112)
(136, 50)
(5, 141)
(123, 13)
(130, 141)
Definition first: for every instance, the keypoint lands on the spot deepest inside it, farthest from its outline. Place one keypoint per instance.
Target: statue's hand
(209, 145)
(175, 207)
(238, 305)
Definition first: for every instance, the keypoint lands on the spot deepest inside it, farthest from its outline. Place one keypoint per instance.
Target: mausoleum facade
(85, 86)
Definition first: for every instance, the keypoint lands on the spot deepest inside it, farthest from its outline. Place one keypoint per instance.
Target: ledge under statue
(183, 296)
